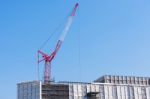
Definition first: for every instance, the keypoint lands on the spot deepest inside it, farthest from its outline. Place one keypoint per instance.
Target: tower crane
(49, 58)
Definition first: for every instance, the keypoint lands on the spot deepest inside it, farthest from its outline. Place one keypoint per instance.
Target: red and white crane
(48, 58)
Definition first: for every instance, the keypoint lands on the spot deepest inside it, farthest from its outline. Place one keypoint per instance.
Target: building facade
(105, 87)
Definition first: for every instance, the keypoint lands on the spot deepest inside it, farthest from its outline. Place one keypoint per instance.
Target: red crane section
(48, 58)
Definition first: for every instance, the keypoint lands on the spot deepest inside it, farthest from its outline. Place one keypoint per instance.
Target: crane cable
(50, 36)
(79, 46)
(38, 69)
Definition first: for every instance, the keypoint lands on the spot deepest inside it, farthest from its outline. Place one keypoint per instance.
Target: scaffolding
(104, 87)
(55, 91)
(124, 80)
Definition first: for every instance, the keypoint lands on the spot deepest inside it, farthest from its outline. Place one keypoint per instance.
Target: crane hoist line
(48, 58)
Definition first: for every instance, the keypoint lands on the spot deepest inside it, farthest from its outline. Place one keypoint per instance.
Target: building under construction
(105, 87)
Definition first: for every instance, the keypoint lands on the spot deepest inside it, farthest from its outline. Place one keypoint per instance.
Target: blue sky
(112, 36)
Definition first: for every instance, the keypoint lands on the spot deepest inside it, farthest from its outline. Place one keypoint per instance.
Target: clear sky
(107, 37)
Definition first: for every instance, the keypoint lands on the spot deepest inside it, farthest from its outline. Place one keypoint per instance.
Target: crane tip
(74, 10)
(77, 4)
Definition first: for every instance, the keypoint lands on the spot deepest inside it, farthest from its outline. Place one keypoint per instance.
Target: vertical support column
(47, 72)
(40, 92)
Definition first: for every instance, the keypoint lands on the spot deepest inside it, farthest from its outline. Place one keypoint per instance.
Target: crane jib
(48, 58)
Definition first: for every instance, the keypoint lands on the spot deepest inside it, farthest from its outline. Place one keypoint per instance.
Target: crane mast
(48, 58)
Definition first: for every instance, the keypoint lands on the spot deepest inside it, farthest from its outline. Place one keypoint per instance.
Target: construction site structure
(123, 80)
(99, 89)
(105, 87)
(49, 58)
